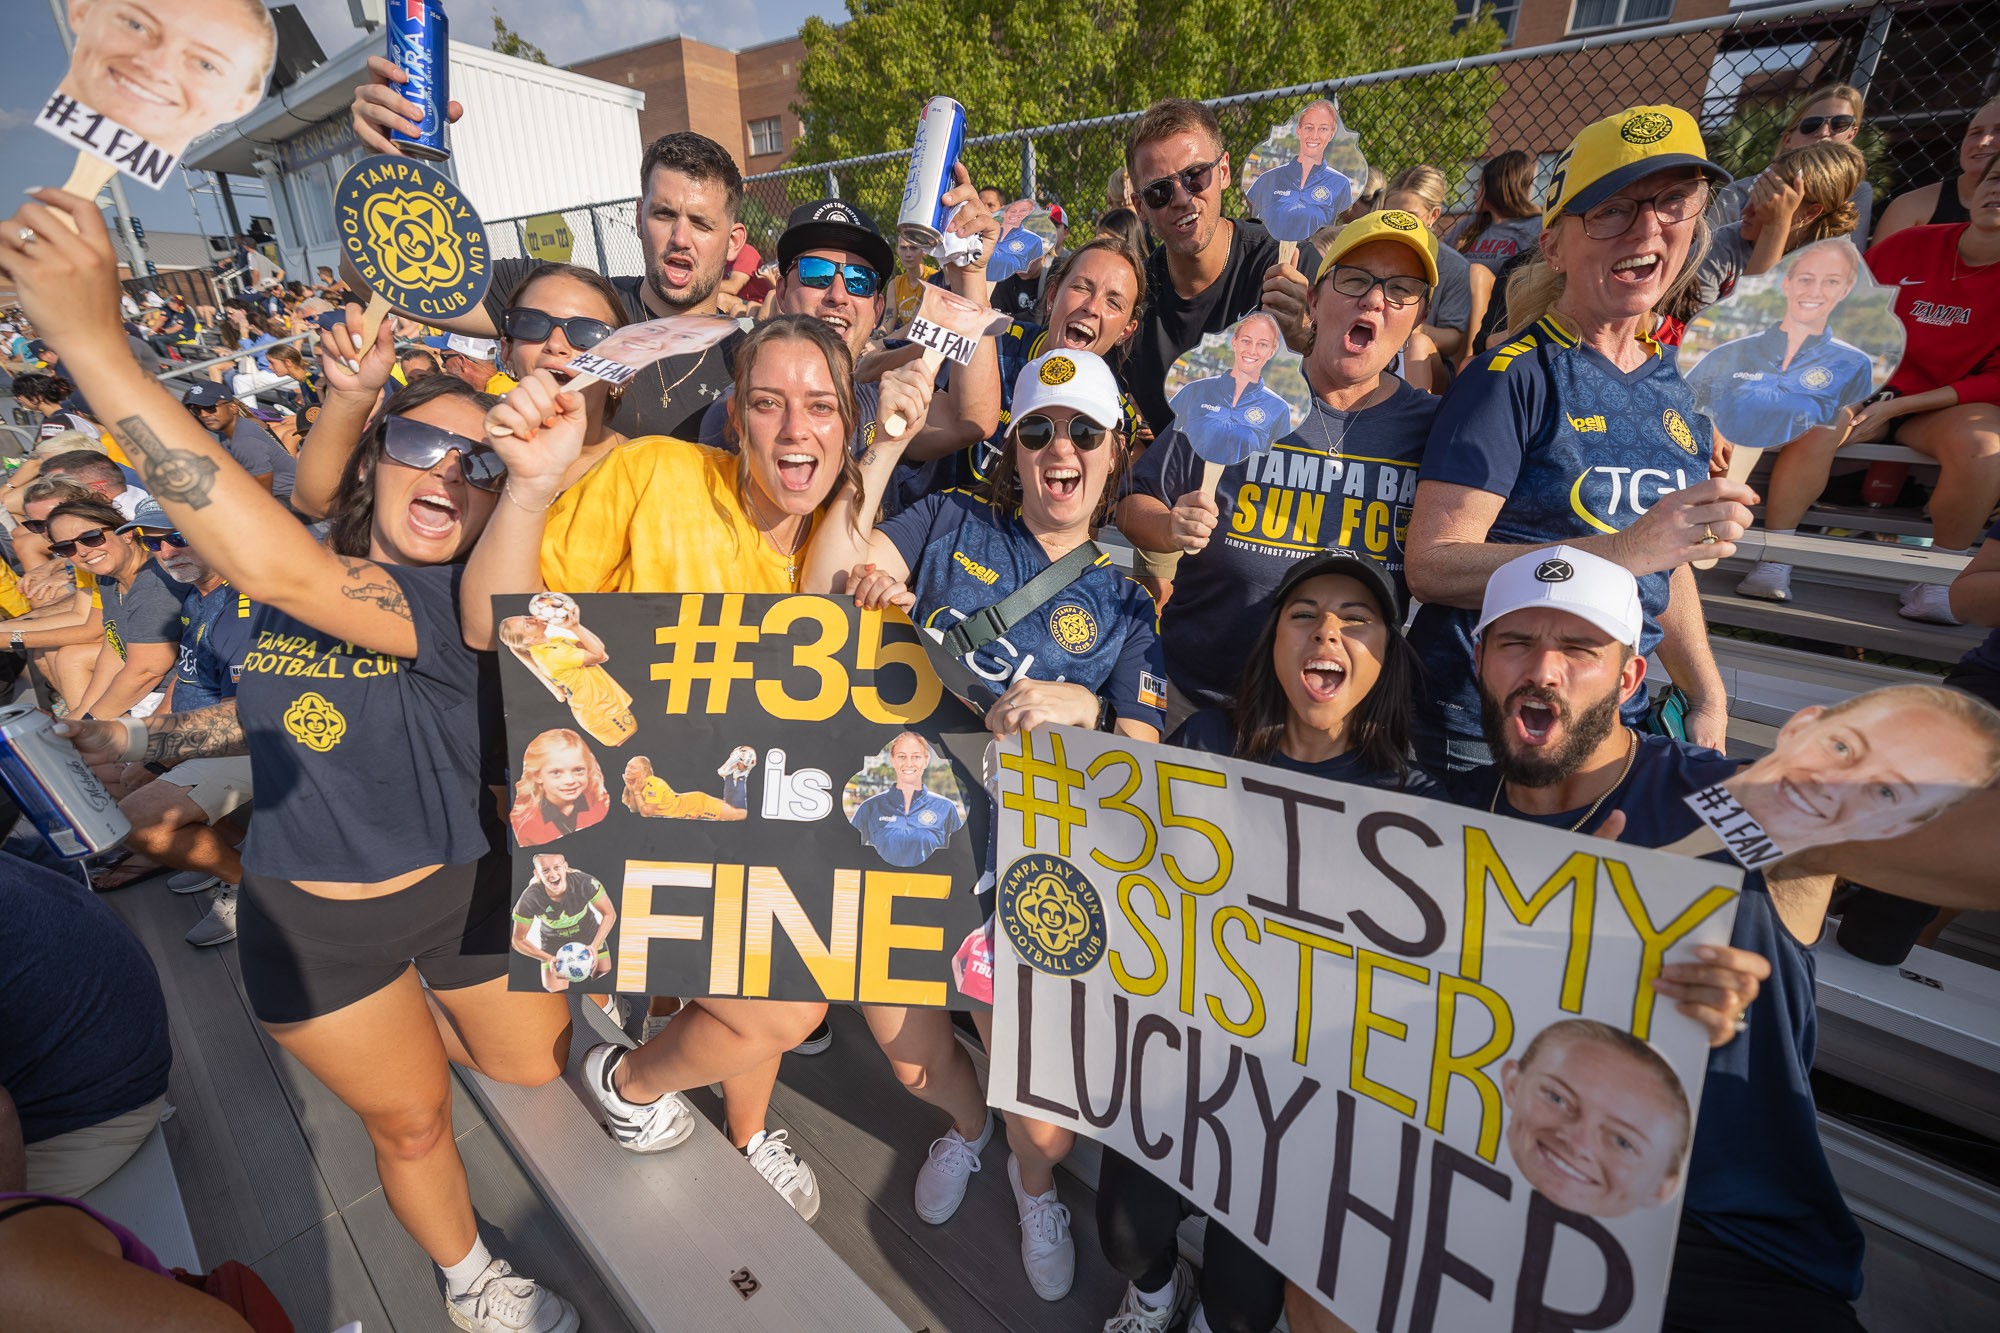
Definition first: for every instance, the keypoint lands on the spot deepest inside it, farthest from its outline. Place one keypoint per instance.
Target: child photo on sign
(562, 920)
(560, 790)
(905, 802)
(648, 794)
(568, 659)
(1239, 391)
(1304, 174)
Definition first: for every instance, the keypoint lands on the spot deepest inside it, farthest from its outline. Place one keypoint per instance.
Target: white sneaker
(1047, 1252)
(219, 926)
(947, 1170)
(652, 1127)
(1770, 580)
(502, 1301)
(1135, 1316)
(612, 1007)
(781, 1167)
(192, 881)
(1928, 601)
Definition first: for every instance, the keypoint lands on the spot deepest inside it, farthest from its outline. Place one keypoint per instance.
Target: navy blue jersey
(1212, 732)
(1226, 425)
(215, 636)
(905, 833)
(1757, 1178)
(1342, 481)
(1753, 398)
(1575, 448)
(1294, 206)
(1098, 632)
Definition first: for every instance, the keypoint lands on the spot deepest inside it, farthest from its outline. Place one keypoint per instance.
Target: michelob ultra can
(940, 136)
(55, 788)
(419, 37)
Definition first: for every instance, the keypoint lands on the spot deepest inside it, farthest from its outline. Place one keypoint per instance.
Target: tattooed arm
(202, 733)
(66, 278)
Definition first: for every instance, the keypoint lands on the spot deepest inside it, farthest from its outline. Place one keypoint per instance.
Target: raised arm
(544, 436)
(354, 380)
(845, 536)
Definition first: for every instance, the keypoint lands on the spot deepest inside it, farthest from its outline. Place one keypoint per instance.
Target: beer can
(55, 788)
(940, 136)
(419, 45)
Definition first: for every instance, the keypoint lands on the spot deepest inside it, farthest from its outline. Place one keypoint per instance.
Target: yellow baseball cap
(1392, 224)
(1612, 153)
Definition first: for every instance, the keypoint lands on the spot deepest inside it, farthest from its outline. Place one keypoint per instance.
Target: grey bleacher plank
(1892, 453)
(1909, 1289)
(1851, 617)
(401, 1274)
(1866, 518)
(1854, 558)
(247, 1175)
(320, 1280)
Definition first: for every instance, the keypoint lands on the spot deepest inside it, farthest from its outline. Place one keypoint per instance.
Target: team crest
(1400, 220)
(1052, 915)
(1677, 430)
(314, 722)
(1321, 194)
(1073, 627)
(1817, 378)
(927, 817)
(1058, 370)
(1402, 525)
(1255, 416)
(1645, 128)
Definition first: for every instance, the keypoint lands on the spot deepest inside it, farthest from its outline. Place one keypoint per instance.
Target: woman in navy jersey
(367, 721)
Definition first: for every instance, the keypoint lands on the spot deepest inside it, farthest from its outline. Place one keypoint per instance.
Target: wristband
(136, 738)
(1107, 716)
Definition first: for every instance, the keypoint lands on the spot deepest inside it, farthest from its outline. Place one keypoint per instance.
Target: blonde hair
(1423, 180)
(528, 787)
(1972, 715)
(1831, 172)
(1827, 92)
(635, 786)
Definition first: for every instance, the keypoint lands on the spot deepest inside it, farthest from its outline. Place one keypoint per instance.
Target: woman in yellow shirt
(646, 793)
(569, 660)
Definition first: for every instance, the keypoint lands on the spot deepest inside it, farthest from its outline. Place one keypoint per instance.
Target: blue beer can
(419, 45)
(940, 137)
(55, 788)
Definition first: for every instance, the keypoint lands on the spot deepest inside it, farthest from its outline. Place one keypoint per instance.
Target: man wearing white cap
(477, 362)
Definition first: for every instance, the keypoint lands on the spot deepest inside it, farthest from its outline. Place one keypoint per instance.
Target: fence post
(521, 234)
(1027, 167)
(832, 184)
(1872, 41)
(597, 239)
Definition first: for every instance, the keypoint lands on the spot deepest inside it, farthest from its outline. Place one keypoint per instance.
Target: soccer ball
(574, 961)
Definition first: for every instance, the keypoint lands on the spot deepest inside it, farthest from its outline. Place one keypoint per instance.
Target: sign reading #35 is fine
(729, 794)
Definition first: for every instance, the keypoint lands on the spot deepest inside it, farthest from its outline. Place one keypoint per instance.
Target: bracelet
(508, 491)
(136, 739)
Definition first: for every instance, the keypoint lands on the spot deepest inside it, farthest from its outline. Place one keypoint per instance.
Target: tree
(510, 43)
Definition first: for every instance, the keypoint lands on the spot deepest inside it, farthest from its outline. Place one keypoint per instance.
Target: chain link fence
(1925, 68)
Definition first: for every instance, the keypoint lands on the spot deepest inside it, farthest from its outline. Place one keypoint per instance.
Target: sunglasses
(203, 409)
(817, 273)
(95, 538)
(1812, 125)
(414, 444)
(1398, 291)
(157, 541)
(38, 526)
(526, 324)
(1193, 179)
(1037, 433)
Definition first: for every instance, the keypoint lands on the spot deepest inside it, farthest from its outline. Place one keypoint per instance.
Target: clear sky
(31, 61)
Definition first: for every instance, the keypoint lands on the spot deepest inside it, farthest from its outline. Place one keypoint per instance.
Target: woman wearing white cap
(1083, 653)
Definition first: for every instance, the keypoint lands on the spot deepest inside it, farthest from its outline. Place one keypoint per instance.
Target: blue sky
(569, 30)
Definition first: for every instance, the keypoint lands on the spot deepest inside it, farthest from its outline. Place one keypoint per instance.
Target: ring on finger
(1742, 1022)
(1708, 537)
(25, 235)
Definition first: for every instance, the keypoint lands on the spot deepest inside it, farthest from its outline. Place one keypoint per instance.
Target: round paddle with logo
(415, 240)
(1237, 393)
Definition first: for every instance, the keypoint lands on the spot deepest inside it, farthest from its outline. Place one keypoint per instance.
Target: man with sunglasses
(247, 441)
(1208, 270)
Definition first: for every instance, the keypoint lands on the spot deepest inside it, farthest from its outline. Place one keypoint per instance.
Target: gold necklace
(791, 556)
(1631, 753)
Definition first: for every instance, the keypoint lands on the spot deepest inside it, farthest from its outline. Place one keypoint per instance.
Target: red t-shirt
(1953, 324)
(748, 261)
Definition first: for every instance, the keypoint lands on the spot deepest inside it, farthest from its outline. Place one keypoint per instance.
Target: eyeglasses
(155, 541)
(1037, 433)
(414, 444)
(93, 539)
(817, 273)
(1677, 203)
(1193, 179)
(524, 323)
(1399, 290)
(1812, 125)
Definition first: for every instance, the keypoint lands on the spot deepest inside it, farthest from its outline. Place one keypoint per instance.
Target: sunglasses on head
(524, 323)
(1037, 433)
(1812, 125)
(93, 539)
(414, 444)
(156, 541)
(1193, 179)
(817, 272)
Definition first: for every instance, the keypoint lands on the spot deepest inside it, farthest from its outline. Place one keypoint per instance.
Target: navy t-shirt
(1500, 242)
(86, 1032)
(1986, 656)
(1099, 632)
(367, 765)
(1757, 1178)
(215, 636)
(1575, 448)
(1213, 732)
(905, 833)
(1342, 481)
(1753, 398)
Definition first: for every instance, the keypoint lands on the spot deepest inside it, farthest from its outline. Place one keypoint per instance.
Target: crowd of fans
(270, 571)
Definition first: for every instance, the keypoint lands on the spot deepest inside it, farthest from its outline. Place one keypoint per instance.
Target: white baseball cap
(1063, 378)
(1564, 578)
(479, 349)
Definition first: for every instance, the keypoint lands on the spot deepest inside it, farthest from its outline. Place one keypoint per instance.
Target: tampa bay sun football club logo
(1073, 627)
(1817, 378)
(1058, 370)
(1677, 430)
(1400, 220)
(314, 722)
(1053, 916)
(1645, 128)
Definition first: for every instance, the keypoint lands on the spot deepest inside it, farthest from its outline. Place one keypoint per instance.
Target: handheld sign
(1027, 232)
(415, 239)
(1237, 393)
(1305, 173)
(631, 349)
(946, 325)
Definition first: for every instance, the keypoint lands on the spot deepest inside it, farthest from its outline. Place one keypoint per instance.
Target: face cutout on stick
(1305, 172)
(1238, 392)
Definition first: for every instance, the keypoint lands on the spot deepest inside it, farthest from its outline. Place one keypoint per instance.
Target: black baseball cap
(1369, 573)
(205, 393)
(835, 224)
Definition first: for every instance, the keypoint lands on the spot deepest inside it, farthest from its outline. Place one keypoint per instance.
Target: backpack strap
(991, 622)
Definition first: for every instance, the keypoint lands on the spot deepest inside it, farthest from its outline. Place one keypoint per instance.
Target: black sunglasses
(1193, 179)
(817, 272)
(38, 526)
(1037, 433)
(156, 541)
(414, 444)
(524, 323)
(95, 538)
(1812, 125)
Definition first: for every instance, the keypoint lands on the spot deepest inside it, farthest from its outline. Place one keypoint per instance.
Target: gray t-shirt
(1728, 252)
(259, 452)
(1451, 304)
(147, 612)
(1499, 242)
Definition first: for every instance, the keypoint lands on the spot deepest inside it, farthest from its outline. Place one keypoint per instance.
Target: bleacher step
(1856, 617)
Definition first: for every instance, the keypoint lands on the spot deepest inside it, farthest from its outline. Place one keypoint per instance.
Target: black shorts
(304, 956)
(1717, 1288)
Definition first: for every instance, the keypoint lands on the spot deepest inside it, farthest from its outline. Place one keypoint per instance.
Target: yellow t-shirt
(659, 515)
(906, 293)
(11, 600)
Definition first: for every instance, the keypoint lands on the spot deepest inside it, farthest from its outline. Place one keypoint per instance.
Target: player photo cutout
(1238, 392)
(631, 349)
(1305, 173)
(1792, 347)
(148, 77)
(1597, 1120)
(561, 921)
(1027, 232)
(647, 794)
(552, 642)
(905, 802)
(560, 789)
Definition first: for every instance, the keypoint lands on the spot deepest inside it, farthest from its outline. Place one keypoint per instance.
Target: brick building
(740, 99)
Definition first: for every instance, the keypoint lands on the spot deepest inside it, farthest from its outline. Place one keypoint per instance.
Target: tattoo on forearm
(369, 584)
(204, 733)
(179, 475)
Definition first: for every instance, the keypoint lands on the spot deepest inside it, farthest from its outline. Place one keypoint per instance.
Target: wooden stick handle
(577, 385)
(90, 175)
(372, 317)
(1211, 478)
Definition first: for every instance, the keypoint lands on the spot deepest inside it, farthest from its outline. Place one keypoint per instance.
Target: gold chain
(1631, 753)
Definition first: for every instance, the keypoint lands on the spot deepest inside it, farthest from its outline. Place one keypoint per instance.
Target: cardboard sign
(417, 242)
(1327, 1015)
(1788, 349)
(548, 238)
(762, 787)
(1236, 393)
(631, 349)
(1305, 173)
